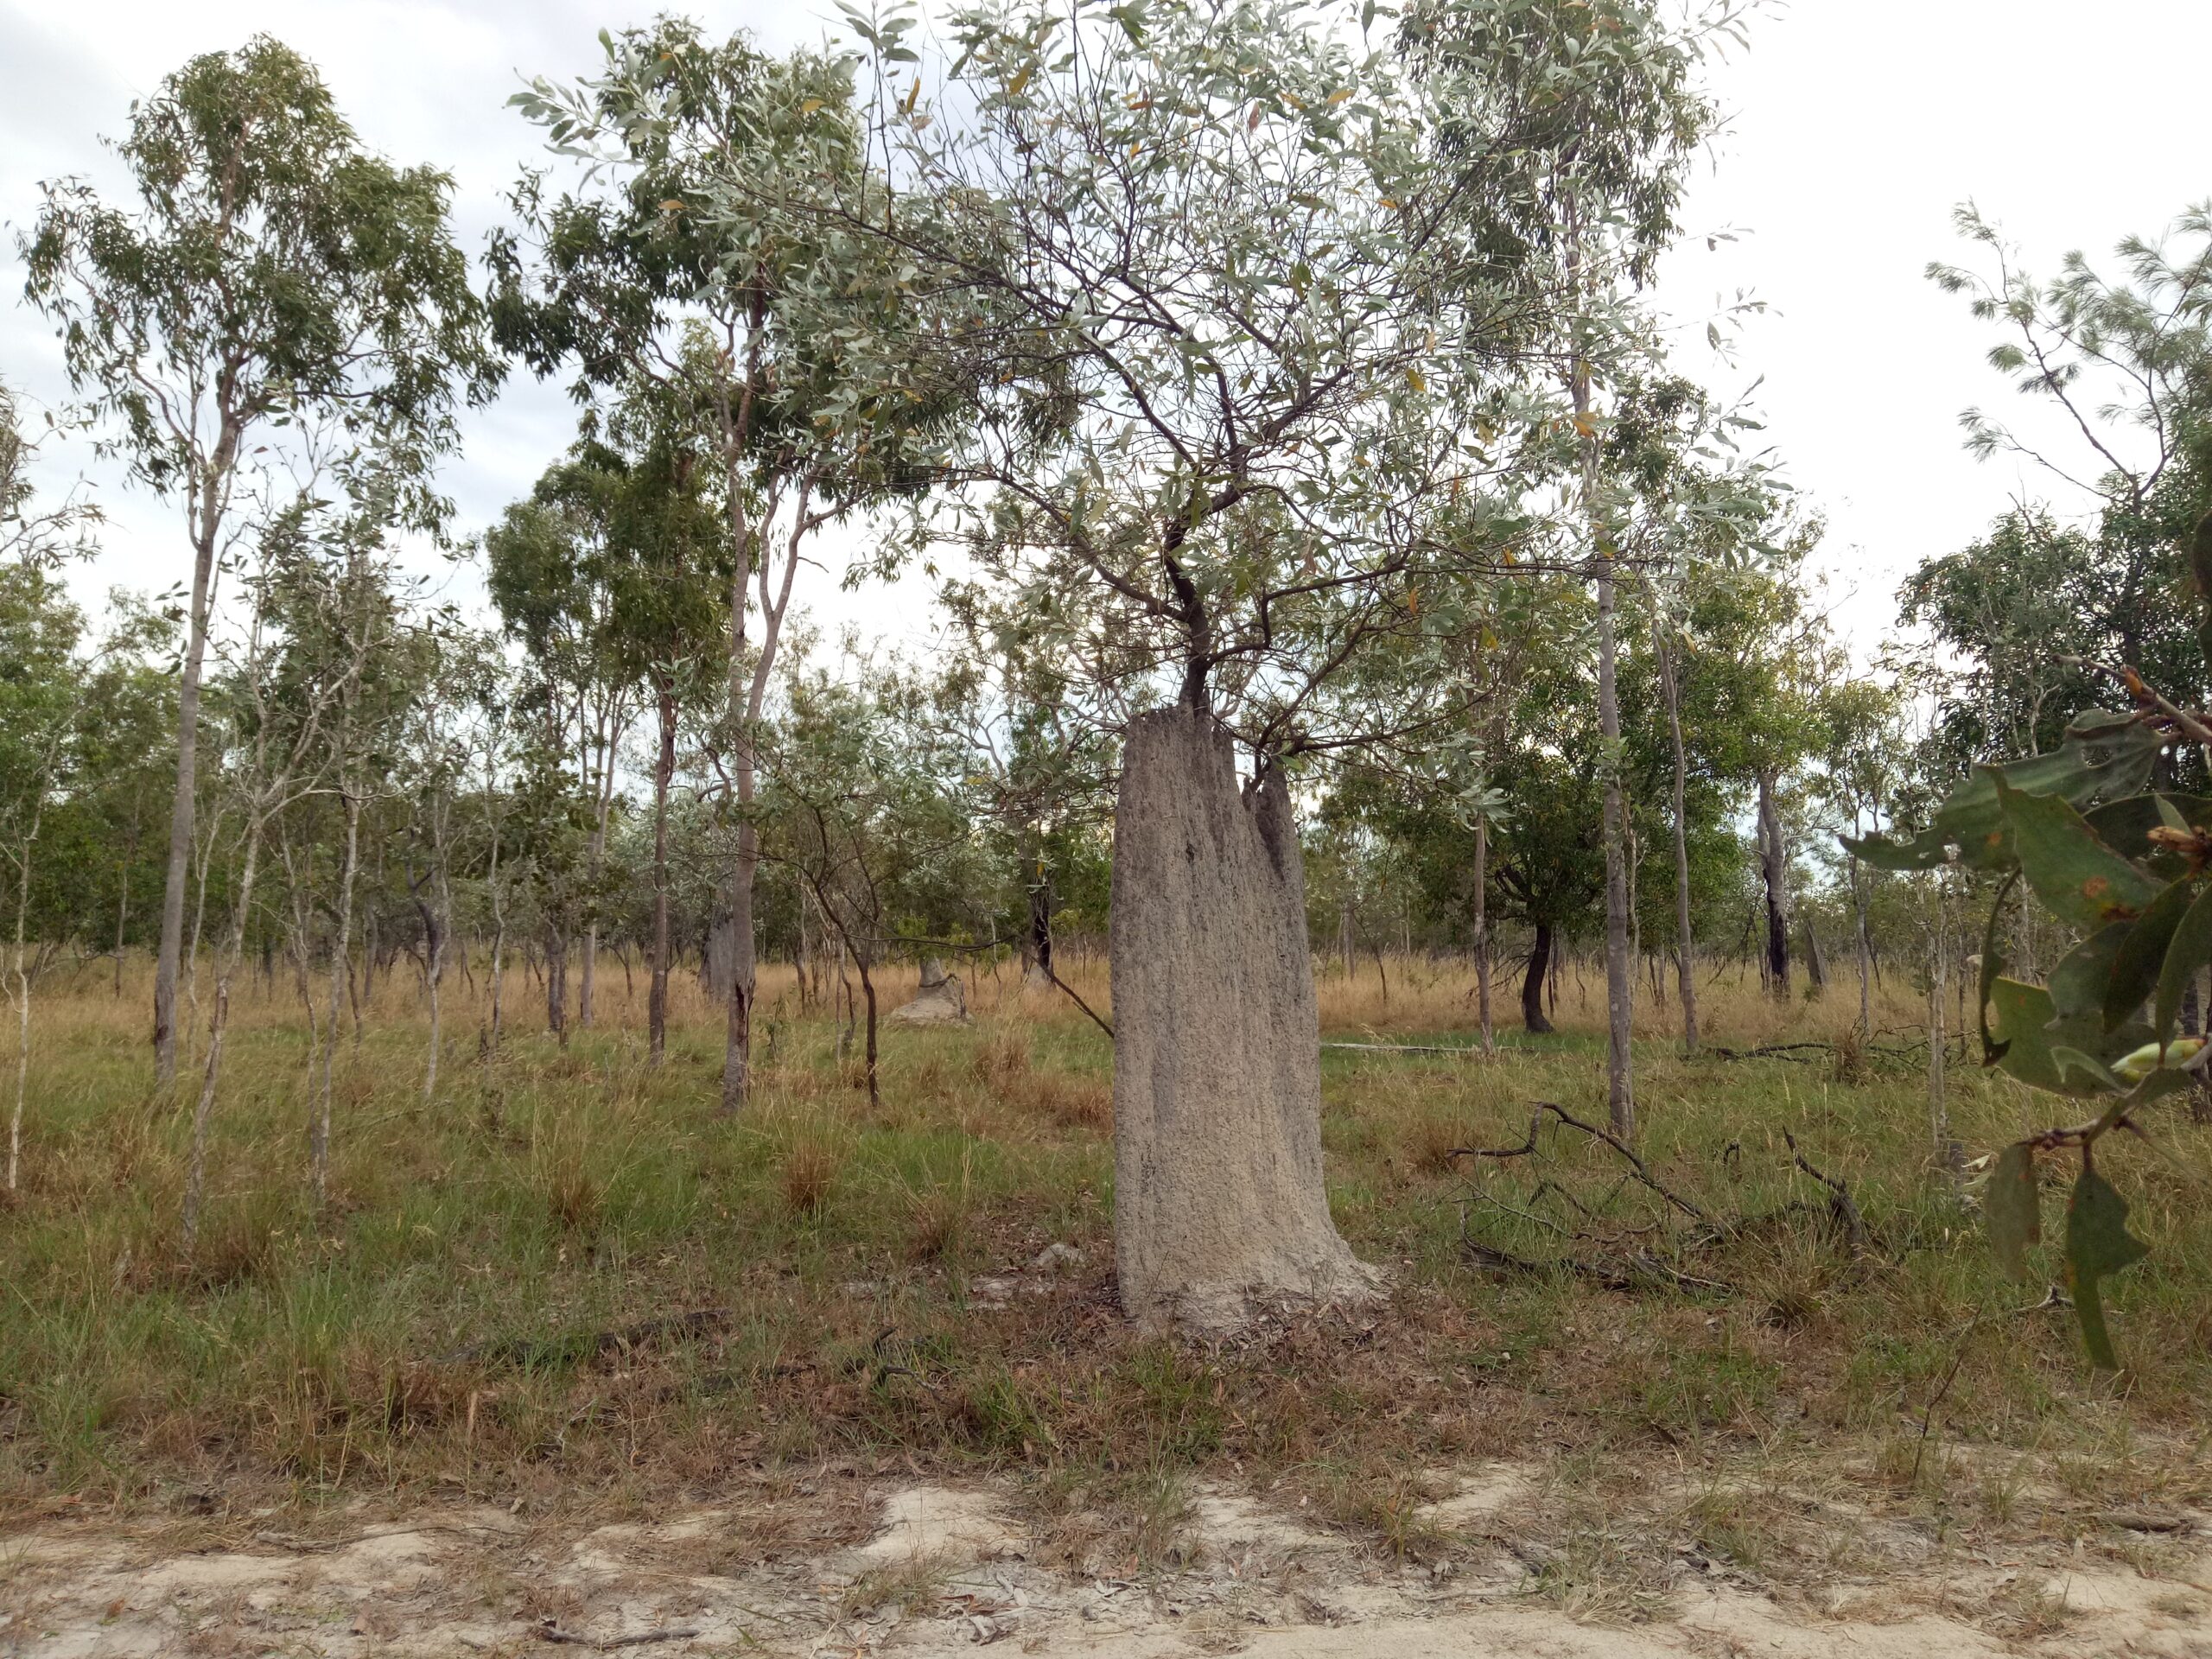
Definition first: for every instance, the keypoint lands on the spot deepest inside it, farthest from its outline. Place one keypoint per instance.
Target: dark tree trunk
(1532, 982)
(1774, 870)
(868, 1051)
(1040, 949)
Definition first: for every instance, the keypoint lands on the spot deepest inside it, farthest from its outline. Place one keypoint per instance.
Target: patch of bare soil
(846, 1564)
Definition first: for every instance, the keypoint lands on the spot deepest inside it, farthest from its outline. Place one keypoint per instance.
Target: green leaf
(2078, 983)
(2071, 1061)
(2022, 1015)
(2012, 1206)
(1926, 851)
(2105, 756)
(2098, 1245)
(2079, 879)
(2135, 969)
(2191, 948)
(2125, 825)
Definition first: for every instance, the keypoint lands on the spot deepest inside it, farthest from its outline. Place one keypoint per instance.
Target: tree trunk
(182, 807)
(737, 1029)
(341, 964)
(1533, 982)
(1220, 1212)
(664, 771)
(1865, 953)
(1774, 869)
(588, 986)
(22, 993)
(557, 982)
(434, 968)
(1816, 963)
(1037, 970)
(1939, 1115)
(851, 1005)
(206, 863)
(587, 978)
(195, 1181)
(1620, 985)
(868, 1053)
(1685, 942)
(496, 970)
(1482, 934)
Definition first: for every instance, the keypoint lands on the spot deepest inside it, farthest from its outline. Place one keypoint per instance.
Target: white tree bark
(1220, 1213)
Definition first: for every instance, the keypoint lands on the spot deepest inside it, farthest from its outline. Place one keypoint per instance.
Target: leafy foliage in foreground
(2124, 865)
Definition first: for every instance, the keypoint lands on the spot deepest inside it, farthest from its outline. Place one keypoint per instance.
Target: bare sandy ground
(855, 1564)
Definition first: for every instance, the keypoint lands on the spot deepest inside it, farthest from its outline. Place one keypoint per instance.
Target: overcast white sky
(1856, 126)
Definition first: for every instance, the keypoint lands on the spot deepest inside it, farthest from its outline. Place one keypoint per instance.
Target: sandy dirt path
(864, 1565)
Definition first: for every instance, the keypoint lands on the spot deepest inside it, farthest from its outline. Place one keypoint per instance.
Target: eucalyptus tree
(274, 699)
(1691, 508)
(552, 569)
(611, 576)
(351, 646)
(668, 564)
(2124, 367)
(1576, 127)
(273, 274)
(733, 183)
(1857, 768)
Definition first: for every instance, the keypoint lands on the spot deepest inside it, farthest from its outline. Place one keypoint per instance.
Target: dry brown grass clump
(810, 1169)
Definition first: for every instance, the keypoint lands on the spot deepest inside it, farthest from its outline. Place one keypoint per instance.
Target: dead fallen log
(1796, 1053)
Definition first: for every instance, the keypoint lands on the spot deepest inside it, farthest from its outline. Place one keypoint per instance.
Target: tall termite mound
(1220, 1215)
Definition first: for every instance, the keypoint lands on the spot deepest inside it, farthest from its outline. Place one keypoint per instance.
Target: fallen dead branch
(1642, 1171)
(1800, 1053)
(1843, 1210)
(1630, 1256)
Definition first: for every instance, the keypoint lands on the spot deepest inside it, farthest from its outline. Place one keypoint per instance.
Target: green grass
(547, 1196)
